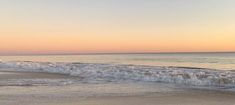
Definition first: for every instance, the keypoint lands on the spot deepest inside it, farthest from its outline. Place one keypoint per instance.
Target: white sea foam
(119, 72)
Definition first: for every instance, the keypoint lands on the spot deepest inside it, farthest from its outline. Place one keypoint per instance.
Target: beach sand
(73, 95)
(29, 75)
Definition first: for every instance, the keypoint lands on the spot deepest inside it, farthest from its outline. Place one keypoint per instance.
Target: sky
(116, 26)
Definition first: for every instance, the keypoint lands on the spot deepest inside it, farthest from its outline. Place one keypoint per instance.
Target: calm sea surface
(221, 61)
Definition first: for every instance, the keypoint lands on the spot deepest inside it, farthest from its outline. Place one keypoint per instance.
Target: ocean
(185, 69)
(219, 61)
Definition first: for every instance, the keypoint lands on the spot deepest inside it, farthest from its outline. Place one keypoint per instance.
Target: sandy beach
(89, 94)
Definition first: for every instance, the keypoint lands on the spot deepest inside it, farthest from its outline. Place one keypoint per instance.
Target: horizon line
(111, 53)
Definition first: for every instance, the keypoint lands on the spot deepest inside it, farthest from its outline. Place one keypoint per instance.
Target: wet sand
(29, 75)
(173, 98)
(71, 94)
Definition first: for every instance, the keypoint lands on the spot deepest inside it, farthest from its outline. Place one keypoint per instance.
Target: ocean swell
(120, 72)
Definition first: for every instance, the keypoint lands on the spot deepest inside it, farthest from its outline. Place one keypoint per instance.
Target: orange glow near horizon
(100, 28)
(115, 44)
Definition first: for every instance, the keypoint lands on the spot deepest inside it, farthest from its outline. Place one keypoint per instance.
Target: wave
(121, 72)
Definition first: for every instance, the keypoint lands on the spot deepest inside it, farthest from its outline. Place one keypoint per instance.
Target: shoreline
(68, 96)
(103, 94)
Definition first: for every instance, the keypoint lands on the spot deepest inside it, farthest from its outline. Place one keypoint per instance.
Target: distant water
(219, 61)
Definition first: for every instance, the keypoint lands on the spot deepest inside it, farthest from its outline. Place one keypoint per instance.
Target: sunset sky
(116, 26)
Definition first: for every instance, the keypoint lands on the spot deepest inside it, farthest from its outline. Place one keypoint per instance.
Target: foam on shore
(118, 72)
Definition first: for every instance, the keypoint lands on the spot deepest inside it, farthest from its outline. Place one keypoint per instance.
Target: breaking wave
(120, 72)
